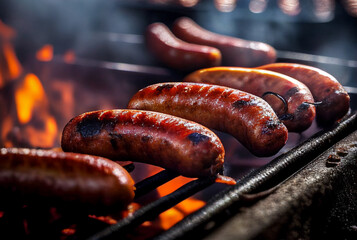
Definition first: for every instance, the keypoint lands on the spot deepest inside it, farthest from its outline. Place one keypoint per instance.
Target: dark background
(83, 25)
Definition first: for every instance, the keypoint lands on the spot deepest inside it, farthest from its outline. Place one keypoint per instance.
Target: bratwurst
(91, 183)
(150, 137)
(235, 51)
(178, 54)
(247, 117)
(334, 99)
(293, 110)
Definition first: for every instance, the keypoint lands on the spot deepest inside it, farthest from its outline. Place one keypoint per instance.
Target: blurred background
(112, 30)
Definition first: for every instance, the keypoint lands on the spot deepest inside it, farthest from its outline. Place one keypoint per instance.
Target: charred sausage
(335, 101)
(297, 117)
(235, 51)
(150, 137)
(178, 54)
(85, 182)
(247, 117)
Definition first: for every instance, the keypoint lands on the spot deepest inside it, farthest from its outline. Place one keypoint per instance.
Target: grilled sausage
(178, 54)
(335, 101)
(247, 117)
(90, 183)
(150, 137)
(297, 117)
(235, 51)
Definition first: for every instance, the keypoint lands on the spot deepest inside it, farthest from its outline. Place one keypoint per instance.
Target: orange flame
(184, 208)
(45, 54)
(37, 128)
(28, 95)
(177, 213)
(14, 66)
(10, 67)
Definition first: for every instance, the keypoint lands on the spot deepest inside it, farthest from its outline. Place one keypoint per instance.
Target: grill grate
(253, 186)
(224, 204)
(155, 208)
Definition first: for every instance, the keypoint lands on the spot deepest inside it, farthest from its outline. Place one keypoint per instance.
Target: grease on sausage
(91, 183)
(335, 101)
(150, 137)
(299, 115)
(245, 116)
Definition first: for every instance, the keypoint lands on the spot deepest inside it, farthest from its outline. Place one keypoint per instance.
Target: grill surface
(260, 183)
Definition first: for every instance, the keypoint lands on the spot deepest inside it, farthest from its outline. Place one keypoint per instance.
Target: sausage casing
(297, 117)
(82, 181)
(235, 51)
(245, 116)
(178, 54)
(335, 101)
(150, 137)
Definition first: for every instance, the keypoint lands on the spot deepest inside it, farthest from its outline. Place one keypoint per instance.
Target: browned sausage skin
(247, 117)
(150, 137)
(297, 117)
(235, 51)
(335, 101)
(178, 54)
(85, 182)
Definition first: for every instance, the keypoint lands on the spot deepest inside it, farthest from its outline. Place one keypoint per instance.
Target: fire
(32, 109)
(184, 208)
(14, 66)
(45, 54)
(33, 125)
(10, 67)
(172, 185)
(29, 94)
(177, 213)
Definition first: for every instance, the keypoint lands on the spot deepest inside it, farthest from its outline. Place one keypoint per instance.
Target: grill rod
(222, 205)
(154, 209)
(151, 183)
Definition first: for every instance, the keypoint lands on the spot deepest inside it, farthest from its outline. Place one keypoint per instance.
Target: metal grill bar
(154, 209)
(225, 204)
(150, 183)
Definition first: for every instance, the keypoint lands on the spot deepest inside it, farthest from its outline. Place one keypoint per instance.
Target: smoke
(83, 26)
(67, 24)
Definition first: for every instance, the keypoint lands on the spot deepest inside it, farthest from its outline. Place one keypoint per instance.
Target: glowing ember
(45, 54)
(170, 218)
(69, 231)
(69, 56)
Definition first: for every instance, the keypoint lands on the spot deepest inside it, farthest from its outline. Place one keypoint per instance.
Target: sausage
(245, 116)
(335, 101)
(178, 54)
(297, 117)
(235, 51)
(150, 137)
(90, 183)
